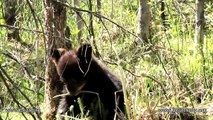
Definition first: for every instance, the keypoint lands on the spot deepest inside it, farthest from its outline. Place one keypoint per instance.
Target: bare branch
(97, 14)
(12, 95)
(20, 28)
(24, 95)
(155, 80)
(25, 68)
(33, 12)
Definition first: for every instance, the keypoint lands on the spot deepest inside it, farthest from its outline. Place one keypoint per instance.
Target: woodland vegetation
(161, 49)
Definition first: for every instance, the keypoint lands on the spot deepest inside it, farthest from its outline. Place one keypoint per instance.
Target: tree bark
(55, 24)
(199, 26)
(144, 17)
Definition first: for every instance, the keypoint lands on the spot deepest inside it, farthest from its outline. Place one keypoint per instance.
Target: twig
(113, 63)
(25, 96)
(155, 80)
(25, 68)
(164, 68)
(184, 85)
(33, 12)
(107, 32)
(15, 58)
(20, 28)
(62, 95)
(145, 75)
(97, 14)
(90, 92)
(118, 112)
(72, 118)
(13, 97)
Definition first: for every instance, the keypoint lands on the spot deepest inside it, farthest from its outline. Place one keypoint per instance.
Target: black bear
(84, 77)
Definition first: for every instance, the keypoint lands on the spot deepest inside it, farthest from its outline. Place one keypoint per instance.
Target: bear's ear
(57, 53)
(84, 53)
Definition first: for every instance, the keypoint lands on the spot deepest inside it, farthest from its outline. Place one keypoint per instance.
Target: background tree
(10, 15)
(55, 24)
(163, 15)
(79, 20)
(98, 7)
(144, 17)
(199, 26)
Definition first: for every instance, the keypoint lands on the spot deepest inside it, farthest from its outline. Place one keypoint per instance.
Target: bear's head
(73, 66)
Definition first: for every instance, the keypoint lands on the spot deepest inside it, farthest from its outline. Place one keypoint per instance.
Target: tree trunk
(98, 6)
(91, 29)
(199, 37)
(199, 26)
(10, 19)
(144, 17)
(55, 24)
(79, 21)
(163, 16)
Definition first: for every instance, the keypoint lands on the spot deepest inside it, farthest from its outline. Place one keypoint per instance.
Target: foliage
(169, 59)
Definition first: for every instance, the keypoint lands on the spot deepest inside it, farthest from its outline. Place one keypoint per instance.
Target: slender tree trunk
(163, 16)
(98, 6)
(11, 12)
(91, 29)
(112, 9)
(79, 21)
(55, 24)
(199, 36)
(144, 17)
(199, 26)
(10, 19)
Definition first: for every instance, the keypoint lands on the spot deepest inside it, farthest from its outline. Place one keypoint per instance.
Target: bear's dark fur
(85, 78)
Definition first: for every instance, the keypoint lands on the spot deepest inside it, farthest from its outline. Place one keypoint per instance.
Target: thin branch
(164, 68)
(114, 63)
(20, 28)
(107, 32)
(15, 58)
(97, 15)
(145, 75)
(25, 68)
(155, 80)
(25, 96)
(33, 12)
(13, 97)
(184, 84)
